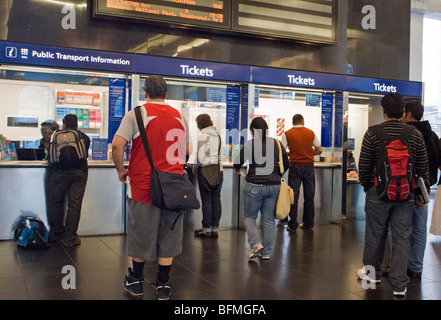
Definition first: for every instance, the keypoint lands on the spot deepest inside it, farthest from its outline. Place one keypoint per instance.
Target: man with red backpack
(392, 156)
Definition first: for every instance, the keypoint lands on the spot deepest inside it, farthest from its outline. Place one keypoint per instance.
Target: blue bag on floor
(31, 233)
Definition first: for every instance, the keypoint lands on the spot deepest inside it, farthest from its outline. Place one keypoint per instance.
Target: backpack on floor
(395, 170)
(67, 148)
(31, 233)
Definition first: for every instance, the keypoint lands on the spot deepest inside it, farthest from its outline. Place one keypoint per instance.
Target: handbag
(286, 193)
(210, 174)
(435, 224)
(172, 191)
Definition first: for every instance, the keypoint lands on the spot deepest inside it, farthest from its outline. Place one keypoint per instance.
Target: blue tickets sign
(383, 86)
(293, 78)
(191, 68)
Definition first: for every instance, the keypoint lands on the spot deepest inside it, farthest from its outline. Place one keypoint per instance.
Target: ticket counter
(34, 90)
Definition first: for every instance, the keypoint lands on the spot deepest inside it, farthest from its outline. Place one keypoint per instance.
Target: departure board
(310, 20)
(206, 13)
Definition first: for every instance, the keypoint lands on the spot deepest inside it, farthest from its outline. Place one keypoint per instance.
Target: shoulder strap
(380, 133)
(219, 149)
(406, 133)
(141, 129)
(282, 169)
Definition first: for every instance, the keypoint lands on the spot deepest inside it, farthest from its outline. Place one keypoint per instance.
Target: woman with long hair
(262, 187)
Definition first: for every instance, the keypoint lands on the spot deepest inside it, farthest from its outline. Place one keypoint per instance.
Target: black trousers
(65, 186)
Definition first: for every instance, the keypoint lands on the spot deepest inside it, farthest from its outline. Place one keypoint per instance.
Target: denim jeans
(379, 216)
(263, 198)
(70, 183)
(211, 203)
(418, 238)
(297, 176)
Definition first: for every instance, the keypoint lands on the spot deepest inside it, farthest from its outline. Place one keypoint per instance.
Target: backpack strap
(383, 136)
(406, 133)
(380, 133)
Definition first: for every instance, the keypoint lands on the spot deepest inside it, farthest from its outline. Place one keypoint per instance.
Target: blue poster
(327, 103)
(117, 103)
(338, 121)
(233, 115)
(99, 149)
(244, 114)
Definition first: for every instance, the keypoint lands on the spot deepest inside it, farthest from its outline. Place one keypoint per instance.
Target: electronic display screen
(308, 20)
(295, 19)
(207, 13)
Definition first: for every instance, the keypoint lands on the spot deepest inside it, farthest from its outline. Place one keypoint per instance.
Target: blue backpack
(31, 233)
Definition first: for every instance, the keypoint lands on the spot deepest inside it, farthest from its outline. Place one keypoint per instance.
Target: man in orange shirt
(303, 145)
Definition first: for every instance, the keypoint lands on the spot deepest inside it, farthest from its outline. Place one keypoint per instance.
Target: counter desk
(104, 211)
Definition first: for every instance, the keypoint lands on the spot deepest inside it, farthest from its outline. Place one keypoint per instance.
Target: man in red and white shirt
(149, 232)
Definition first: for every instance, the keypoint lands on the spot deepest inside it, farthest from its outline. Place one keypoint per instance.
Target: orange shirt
(300, 141)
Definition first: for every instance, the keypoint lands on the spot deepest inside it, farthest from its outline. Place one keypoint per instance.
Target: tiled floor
(312, 265)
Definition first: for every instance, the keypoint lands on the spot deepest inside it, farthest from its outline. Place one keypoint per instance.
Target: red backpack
(395, 169)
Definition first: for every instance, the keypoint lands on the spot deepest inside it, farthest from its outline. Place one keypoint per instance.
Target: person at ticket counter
(67, 180)
(47, 129)
(303, 145)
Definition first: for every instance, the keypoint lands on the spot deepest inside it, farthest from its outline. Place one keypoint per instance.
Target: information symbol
(11, 52)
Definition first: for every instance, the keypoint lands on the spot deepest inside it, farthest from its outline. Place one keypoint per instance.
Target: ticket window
(192, 98)
(278, 105)
(31, 96)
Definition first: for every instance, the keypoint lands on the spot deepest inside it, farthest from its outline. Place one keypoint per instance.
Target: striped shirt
(371, 146)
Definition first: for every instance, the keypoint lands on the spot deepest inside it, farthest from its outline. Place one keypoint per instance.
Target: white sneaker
(361, 274)
(400, 293)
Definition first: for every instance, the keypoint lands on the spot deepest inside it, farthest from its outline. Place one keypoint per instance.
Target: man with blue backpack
(392, 156)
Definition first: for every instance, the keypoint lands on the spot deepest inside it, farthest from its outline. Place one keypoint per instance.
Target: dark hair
(297, 119)
(70, 121)
(415, 108)
(259, 123)
(203, 121)
(49, 124)
(393, 104)
(156, 87)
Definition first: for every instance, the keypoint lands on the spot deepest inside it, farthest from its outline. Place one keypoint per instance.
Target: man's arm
(366, 162)
(118, 145)
(317, 150)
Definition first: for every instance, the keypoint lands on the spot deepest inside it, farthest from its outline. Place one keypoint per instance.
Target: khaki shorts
(153, 232)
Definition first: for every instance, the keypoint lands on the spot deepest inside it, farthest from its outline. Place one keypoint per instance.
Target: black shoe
(291, 229)
(200, 233)
(133, 285)
(71, 242)
(305, 227)
(163, 290)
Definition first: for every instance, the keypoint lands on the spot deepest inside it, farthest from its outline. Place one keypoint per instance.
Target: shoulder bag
(172, 191)
(286, 194)
(210, 174)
